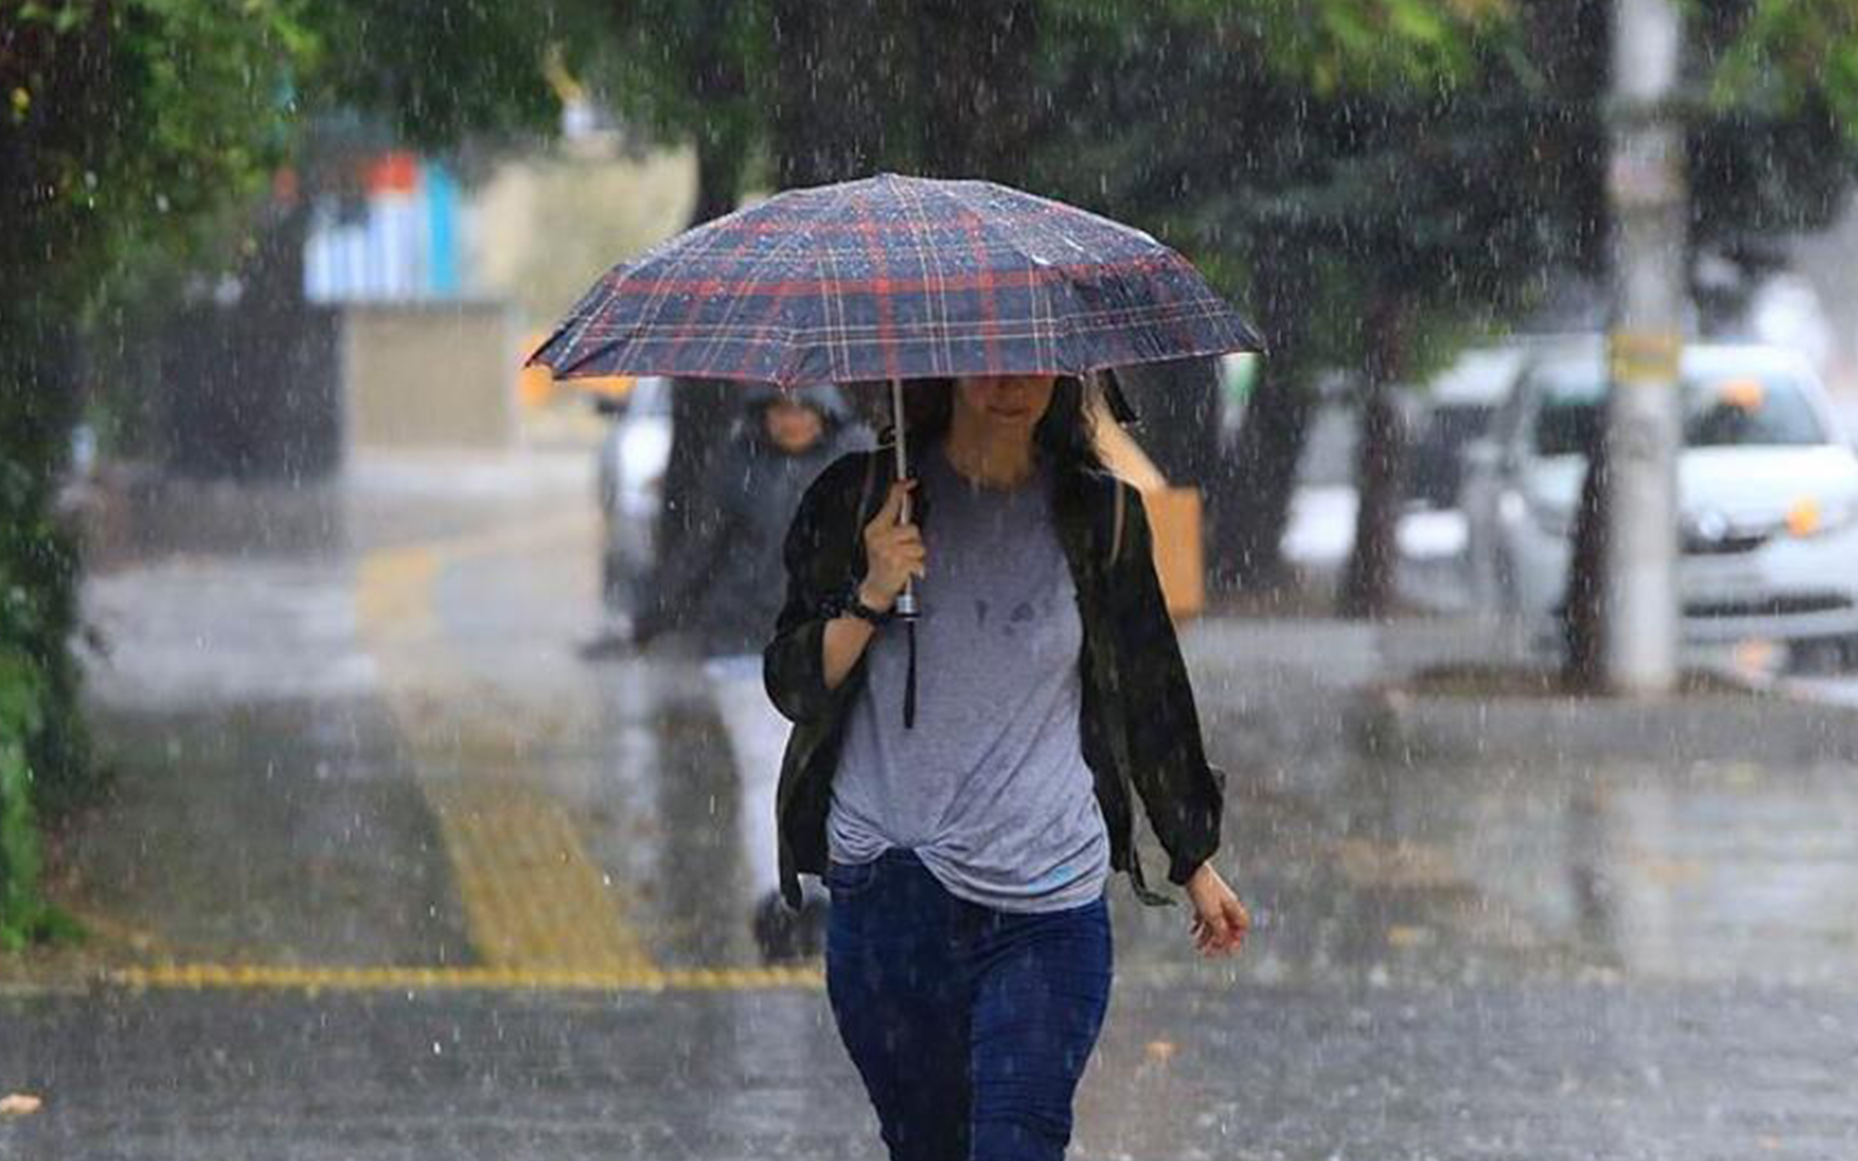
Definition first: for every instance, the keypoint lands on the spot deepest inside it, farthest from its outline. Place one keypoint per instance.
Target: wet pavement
(1544, 1073)
(388, 870)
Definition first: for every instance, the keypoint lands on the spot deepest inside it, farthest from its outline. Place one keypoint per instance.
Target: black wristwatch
(849, 604)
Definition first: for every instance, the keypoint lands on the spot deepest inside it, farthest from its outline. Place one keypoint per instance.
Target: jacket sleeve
(821, 558)
(1183, 795)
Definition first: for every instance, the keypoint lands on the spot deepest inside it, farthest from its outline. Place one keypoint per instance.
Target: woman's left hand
(1220, 920)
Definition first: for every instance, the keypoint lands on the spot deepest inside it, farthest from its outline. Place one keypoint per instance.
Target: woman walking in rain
(965, 782)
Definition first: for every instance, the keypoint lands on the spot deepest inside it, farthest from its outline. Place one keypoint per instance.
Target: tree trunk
(1367, 579)
(719, 181)
(831, 92)
(700, 409)
(1583, 611)
(1250, 502)
(973, 108)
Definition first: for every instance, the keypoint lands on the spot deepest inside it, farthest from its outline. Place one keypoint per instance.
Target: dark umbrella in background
(893, 278)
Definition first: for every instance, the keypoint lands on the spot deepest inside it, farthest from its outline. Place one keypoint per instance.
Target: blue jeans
(971, 1027)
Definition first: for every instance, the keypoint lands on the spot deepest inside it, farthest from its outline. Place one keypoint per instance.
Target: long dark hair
(1065, 439)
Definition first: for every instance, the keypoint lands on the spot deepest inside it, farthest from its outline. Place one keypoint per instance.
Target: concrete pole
(1646, 191)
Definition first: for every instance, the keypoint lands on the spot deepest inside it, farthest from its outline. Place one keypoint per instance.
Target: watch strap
(857, 608)
(848, 604)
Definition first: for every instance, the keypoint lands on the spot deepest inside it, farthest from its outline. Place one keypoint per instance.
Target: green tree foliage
(435, 70)
(32, 666)
(1785, 57)
(134, 135)
(125, 125)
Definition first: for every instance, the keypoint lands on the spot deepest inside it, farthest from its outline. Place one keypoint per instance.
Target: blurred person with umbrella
(964, 759)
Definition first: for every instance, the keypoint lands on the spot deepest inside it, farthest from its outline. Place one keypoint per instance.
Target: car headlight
(1814, 517)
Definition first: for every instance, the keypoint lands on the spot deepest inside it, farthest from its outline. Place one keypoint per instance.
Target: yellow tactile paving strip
(532, 898)
(536, 907)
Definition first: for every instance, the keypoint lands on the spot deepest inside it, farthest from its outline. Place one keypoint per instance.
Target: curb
(1761, 725)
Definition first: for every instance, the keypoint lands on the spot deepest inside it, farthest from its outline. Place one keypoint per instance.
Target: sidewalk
(1394, 835)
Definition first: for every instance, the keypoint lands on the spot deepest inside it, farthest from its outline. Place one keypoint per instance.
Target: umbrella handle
(906, 600)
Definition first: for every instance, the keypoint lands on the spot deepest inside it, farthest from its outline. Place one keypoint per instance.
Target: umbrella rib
(614, 283)
(938, 296)
(989, 332)
(752, 277)
(1044, 317)
(883, 302)
(829, 267)
(713, 245)
(935, 294)
(1051, 274)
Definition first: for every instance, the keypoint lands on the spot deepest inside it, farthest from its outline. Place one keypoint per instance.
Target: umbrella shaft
(906, 600)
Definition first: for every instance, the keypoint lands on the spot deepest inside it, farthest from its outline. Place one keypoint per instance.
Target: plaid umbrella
(895, 278)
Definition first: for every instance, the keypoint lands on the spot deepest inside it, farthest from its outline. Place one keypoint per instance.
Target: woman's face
(792, 426)
(1005, 405)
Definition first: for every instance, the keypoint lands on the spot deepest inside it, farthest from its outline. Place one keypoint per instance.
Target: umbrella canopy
(896, 278)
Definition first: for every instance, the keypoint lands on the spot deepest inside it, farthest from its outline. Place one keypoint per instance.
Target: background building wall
(543, 228)
(430, 375)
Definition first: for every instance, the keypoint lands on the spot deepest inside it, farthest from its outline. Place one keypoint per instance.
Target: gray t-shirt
(990, 788)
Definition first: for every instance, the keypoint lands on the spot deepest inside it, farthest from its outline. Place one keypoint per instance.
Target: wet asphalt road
(1551, 1072)
(350, 732)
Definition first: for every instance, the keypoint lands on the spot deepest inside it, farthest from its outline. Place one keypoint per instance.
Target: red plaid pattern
(895, 277)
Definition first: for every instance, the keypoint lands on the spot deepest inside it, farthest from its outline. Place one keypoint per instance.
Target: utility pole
(1647, 195)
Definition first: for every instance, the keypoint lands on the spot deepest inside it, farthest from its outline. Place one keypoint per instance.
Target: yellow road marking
(394, 979)
(534, 902)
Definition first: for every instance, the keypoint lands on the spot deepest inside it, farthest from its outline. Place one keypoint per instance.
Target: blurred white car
(1767, 496)
(632, 466)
